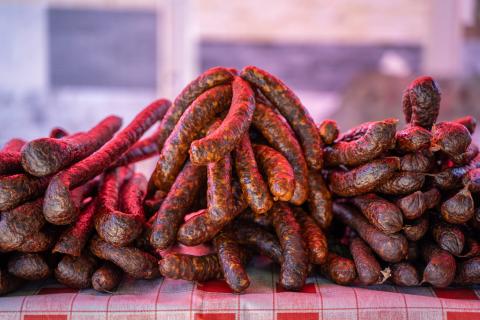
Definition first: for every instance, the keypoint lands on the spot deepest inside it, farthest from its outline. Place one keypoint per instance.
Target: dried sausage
(421, 102)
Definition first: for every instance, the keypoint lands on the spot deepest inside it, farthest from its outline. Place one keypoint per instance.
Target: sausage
(448, 237)
(223, 140)
(315, 238)
(189, 127)
(219, 186)
(106, 278)
(281, 137)
(391, 248)
(38, 242)
(278, 170)
(295, 259)
(328, 131)
(320, 200)
(292, 109)
(469, 122)
(8, 282)
(451, 138)
(135, 262)
(106, 218)
(120, 215)
(416, 229)
(412, 139)
(76, 272)
(421, 161)
(230, 257)
(339, 269)
(402, 183)
(421, 102)
(10, 162)
(180, 197)
(472, 180)
(459, 208)
(29, 266)
(20, 188)
(207, 80)
(13, 145)
(46, 156)
(58, 201)
(378, 138)
(468, 272)
(252, 235)
(467, 156)
(440, 269)
(383, 214)
(253, 185)
(368, 269)
(58, 133)
(415, 204)
(404, 274)
(149, 146)
(74, 238)
(363, 179)
(471, 248)
(18, 224)
(200, 229)
(191, 268)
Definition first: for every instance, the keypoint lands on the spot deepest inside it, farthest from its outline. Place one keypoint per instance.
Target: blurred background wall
(72, 62)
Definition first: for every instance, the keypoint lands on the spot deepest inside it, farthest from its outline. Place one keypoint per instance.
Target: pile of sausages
(243, 170)
(408, 197)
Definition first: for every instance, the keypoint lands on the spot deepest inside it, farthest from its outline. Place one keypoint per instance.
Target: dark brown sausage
(368, 269)
(315, 238)
(76, 272)
(278, 171)
(459, 208)
(414, 230)
(207, 80)
(250, 234)
(468, 272)
(391, 248)
(20, 188)
(440, 269)
(448, 237)
(46, 156)
(8, 282)
(189, 127)
(404, 274)
(254, 187)
(295, 259)
(58, 201)
(363, 179)
(421, 161)
(191, 268)
(339, 269)
(383, 214)
(412, 139)
(135, 262)
(320, 200)
(281, 137)
(292, 109)
(223, 140)
(179, 199)
(402, 183)
(421, 102)
(106, 278)
(451, 138)
(230, 257)
(414, 205)
(378, 138)
(29, 266)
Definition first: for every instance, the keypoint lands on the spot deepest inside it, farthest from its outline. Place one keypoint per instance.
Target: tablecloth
(264, 299)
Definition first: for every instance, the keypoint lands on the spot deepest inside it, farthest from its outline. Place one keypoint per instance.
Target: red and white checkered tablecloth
(176, 299)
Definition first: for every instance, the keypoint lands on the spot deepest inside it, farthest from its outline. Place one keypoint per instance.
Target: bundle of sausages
(242, 170)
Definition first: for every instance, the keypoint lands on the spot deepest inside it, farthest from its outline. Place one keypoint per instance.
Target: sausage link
(191, 268)
(368, 269)
(315, 239)
(421, 102)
